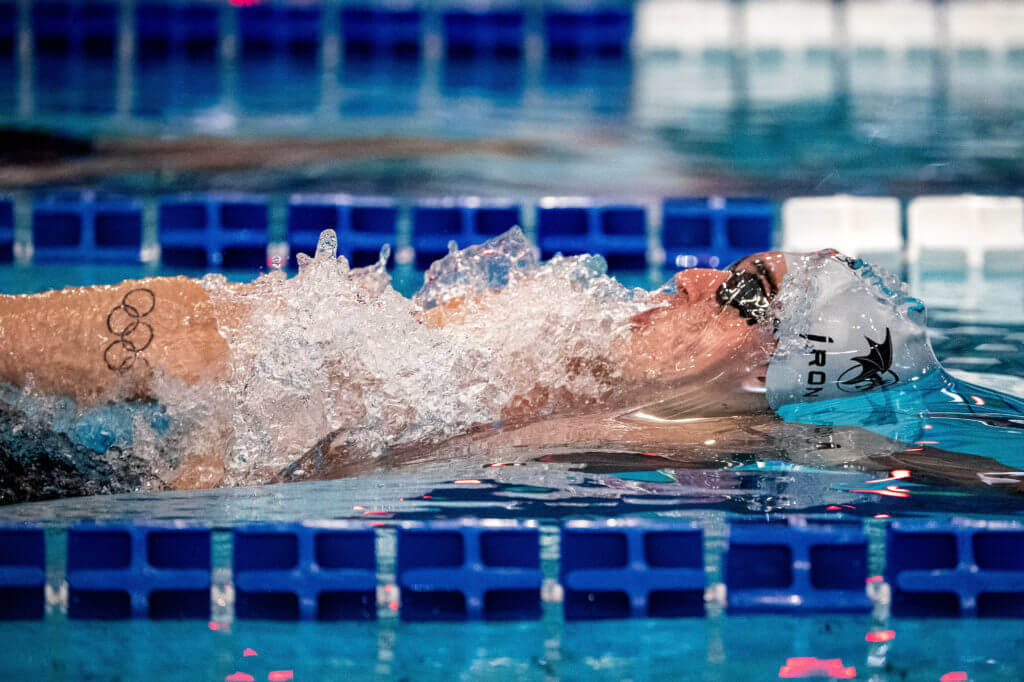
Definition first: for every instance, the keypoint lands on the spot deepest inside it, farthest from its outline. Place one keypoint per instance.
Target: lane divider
(474, 569)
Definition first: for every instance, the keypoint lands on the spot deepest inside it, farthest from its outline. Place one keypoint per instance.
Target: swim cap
(844, 329)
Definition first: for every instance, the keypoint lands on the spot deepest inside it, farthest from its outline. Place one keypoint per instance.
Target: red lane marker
(280, 675)
(239, 677)
(809, 666)
(882, 516)
(883, 636)
(954, 676)
(873, 579)
(249, 652)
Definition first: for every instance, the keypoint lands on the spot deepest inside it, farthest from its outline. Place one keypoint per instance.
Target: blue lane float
(715, 231)
(214, 231)
(483, 32)
(436, 222)
(618, 231)
(267, 30)
(487, 569)
(305, 571)
(956, 568)
(138, 571)
(89, 28)
(363, 225)
(589, 31)
(797, 567)
(370, 30)
(632, 569)
(84, 227)
(22, 572)
(6, 230)
(469, 571)
(164, 29)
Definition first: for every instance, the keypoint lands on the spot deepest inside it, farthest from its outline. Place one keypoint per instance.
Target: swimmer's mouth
(745, 291)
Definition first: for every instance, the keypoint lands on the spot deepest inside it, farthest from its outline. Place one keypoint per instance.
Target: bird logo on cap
(870, 371)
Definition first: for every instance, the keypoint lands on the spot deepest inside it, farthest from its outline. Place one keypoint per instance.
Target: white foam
(339, 351)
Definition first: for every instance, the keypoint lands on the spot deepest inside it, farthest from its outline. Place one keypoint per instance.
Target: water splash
(338, 351)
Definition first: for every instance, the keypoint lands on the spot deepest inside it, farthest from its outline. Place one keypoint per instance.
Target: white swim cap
(844, 328)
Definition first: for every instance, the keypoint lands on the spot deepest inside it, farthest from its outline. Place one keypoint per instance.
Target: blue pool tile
(959, 567)
(163, 29)
(483, 32)
(305, 571)
(22, 572)
(89, 28)
(618, 231)
(368, 30)
(623, 569)
(795, 567)
(469, 570)
(214, 231)
(83, 227)
(269, 29)
(138, 570)
(594, 31)
(436, 222)
(363, 225)
(715, 231)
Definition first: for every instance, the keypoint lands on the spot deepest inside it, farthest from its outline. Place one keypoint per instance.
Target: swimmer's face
(710, 326)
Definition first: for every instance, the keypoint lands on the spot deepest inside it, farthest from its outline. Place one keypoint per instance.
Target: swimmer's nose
(698, 284)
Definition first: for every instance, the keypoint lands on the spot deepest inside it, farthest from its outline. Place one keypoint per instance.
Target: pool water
(721, 122)
(717, 123)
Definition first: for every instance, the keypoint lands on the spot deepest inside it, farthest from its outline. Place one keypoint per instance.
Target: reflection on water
(765, 121)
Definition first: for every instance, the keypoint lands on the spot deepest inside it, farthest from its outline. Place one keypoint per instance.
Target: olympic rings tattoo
(133, 335)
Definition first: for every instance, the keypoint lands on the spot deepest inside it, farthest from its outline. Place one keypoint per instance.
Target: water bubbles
(327, 246)
(382, 258)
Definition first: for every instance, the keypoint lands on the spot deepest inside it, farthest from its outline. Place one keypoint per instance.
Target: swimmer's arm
(94, 343)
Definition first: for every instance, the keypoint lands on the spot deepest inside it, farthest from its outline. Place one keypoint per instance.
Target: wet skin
(704, 351)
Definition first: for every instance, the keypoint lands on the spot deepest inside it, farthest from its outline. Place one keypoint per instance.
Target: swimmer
(107, 343)
(712, 344)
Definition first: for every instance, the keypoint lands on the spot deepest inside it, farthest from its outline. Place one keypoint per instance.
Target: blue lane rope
(492, 570)
(235, 231)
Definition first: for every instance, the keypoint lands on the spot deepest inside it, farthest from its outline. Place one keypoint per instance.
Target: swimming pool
(931, 119)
